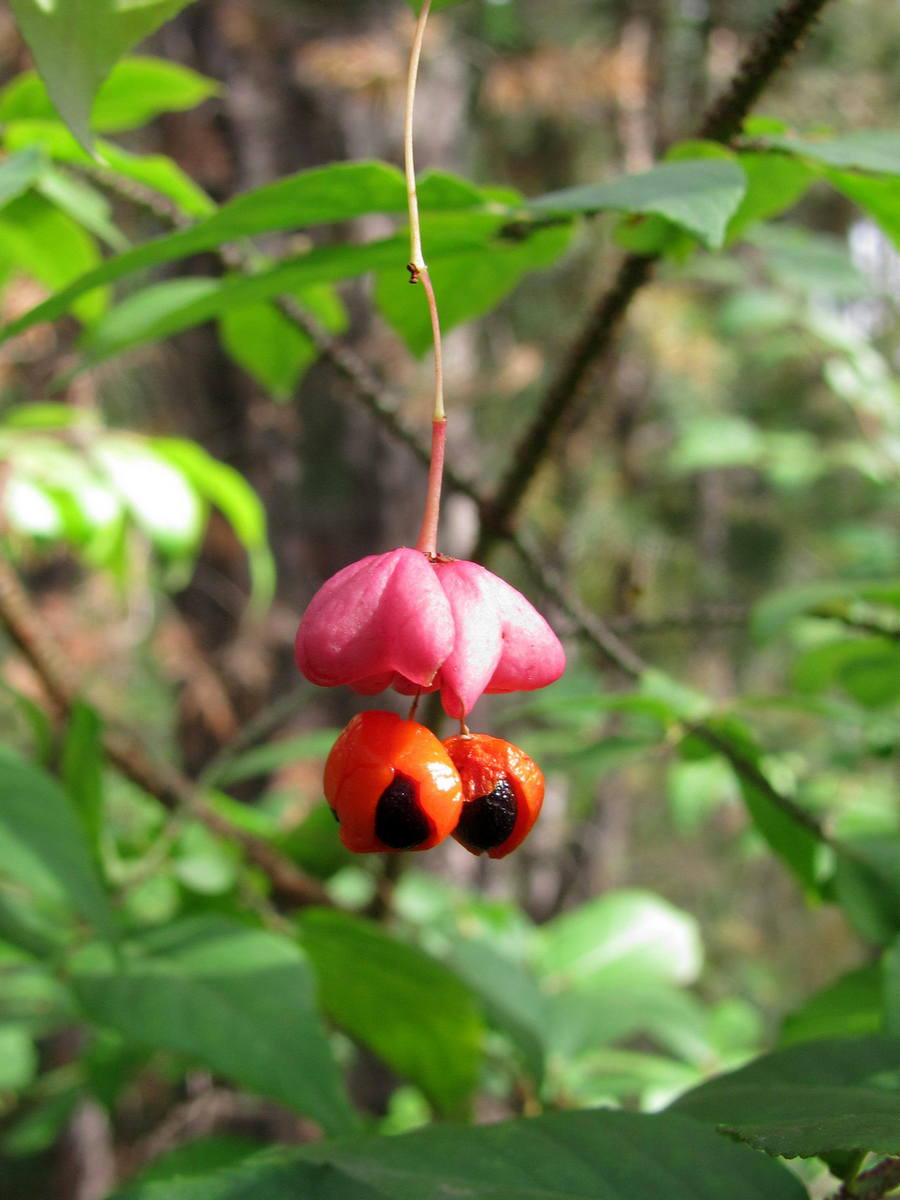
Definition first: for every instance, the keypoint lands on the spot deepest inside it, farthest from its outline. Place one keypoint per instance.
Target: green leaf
(876, 150)
(817, 1098)
(866, 884)
(45, 243)
(271, 347)
(777, 610)
(436, 5)
(468, 284)
(583, 1017)
(561, 1156)
(262, 760)
(233, 496)
(160, 498)
(322, 195)
(198, 1157)
(18, 172)
(75, 44)
(237, 999)
(623, 934)
(408, 1008)
(166, 308)
(82, 769)
(137, 90)
(43, 847)
(155, 170)
(510, 994)
(700, 195)
(852, 1005)
(18, 1058)
(793, 842)
(84, 203)
(879, 197)
(775, 182)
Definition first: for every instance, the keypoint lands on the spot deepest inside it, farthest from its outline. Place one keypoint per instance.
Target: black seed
(333, 812)
(399, 820)
(487, 821)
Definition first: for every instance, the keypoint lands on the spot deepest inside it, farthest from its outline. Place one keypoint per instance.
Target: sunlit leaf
(75, 44)
(18, 172)
(136, 90)
(407, 1007)
(700, 195)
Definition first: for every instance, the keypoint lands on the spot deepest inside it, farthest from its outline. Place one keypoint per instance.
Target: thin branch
(871, 1185)
(769, 50)
(130, 756)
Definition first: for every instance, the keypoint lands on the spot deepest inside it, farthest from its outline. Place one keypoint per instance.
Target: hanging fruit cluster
(417, 621)
(422, 624)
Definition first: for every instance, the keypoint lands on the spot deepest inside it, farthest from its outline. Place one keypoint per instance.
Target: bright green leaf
(880, 198)
(161, 500)
(75, 44)
(137, 90)
(239, 1000)
(775, 182)
(467, 284)
(224, 487)
(701, 196)
(43, 242)
(406, 1007)
(156, 171)
(273, 348)
(625, 933)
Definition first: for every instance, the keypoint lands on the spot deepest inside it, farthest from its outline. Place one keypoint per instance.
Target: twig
(129, 755)
(769, 50)
(873, 1184)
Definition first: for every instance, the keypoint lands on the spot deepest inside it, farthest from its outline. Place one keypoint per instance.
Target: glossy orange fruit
(391, 785)
(503, 790)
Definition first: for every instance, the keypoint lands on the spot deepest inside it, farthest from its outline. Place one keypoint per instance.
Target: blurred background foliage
(181, 468)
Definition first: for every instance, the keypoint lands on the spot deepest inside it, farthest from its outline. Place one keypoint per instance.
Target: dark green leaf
(701, 196)
(562, 1156)
(773, 614)
(410, 1009)
(852, 1005)
(866, 884)
(136, 90)
(239, 1000)
(82, 769)
(812, 1099)
(43, 847)
(75, 44)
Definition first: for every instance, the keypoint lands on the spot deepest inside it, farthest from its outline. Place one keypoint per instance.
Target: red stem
(427, 542)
